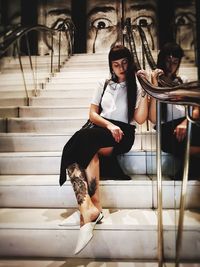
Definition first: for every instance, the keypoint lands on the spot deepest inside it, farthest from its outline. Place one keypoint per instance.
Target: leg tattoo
(92, 187)
(78, 179)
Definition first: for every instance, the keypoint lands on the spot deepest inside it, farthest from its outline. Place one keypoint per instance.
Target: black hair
(169, 49)
(118, 52)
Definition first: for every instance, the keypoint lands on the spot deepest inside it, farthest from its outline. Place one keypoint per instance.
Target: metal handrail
(131, 42)
(187, 94)
(14, 37)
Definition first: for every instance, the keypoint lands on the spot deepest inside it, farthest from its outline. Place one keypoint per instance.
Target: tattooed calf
(78, 179)
(92, 187)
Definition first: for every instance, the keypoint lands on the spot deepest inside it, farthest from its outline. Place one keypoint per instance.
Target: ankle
(90, 215)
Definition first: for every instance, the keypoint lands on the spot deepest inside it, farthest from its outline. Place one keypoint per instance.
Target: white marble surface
(85, 263)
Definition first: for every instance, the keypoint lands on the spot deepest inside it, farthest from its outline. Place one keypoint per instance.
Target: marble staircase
(39, 221)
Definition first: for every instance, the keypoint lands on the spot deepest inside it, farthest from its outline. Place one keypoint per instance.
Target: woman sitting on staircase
(116, 105)
(174, 122)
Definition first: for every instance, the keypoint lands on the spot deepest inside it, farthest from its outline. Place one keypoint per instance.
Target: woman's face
(120, 67)
(102, 21)
(172, 64)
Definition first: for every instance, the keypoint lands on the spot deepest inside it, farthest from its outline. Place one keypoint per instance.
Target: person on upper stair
(174, 122)
(117, 105)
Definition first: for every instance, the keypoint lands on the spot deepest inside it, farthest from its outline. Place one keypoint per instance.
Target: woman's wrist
(144, 93)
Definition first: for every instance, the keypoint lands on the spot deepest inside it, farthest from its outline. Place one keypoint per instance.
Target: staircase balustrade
(13, 38)
(186, 94)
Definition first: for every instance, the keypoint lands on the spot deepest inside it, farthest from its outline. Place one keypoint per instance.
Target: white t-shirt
(114, 100)
(176, 111)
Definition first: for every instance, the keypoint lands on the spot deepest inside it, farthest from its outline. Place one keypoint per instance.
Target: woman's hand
(181, 130)
(116, 132)
(142, 73)
(155, 74)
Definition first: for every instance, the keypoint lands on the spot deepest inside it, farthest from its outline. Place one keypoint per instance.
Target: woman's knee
(105, 151)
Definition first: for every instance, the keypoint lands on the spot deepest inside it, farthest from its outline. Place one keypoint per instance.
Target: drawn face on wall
(143, 13)
(185, 26)
(55, 13)
(104, 17)
(102, 24)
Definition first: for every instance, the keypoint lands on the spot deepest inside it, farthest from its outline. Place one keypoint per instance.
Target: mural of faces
(143, 13)
(185, 29)
(102, 25)
(104, 19)
(53, 13)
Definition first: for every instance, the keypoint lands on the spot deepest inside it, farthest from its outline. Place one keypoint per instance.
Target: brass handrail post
(22, 71)
(159, 184)
(31, 64)
(59, 48)
(183, 192)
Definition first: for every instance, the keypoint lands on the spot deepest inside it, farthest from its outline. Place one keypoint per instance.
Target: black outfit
(85, 143)
(169, 142)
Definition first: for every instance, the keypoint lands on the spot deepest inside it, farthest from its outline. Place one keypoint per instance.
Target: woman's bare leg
(93, 177)
(92, 173)
(79, 182)
(86, 187)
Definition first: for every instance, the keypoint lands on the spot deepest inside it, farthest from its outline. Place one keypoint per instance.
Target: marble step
(95, 73)
(71, 86)
(45, 125)
(77, 80)
(80, 262)
(49, 93)
(52, 233)
(29, 81)
(79, 93)
(38, 59)
(59, 101)
(2, 125)
(53, 124)
(7, 112)
(43, 191)
(13, 101)
(19, 142)
(45, 101)
(133, 162)
(16, 94)
(28, 75)
(49, 162)
(48, 111)
(84, 262)
(49, 86)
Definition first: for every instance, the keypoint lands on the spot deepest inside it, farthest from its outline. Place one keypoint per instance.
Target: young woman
(114, 112)
(174, 122)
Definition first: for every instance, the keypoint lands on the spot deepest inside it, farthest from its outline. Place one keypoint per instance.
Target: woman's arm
(152, 105)
(141, 113)
(94, 116)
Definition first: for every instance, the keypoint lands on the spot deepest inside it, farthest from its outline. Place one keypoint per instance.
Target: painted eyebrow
(59, 12)
(104, 9)
(138, 7)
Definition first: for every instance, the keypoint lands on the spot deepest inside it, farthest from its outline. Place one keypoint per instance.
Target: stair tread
(80, 262)
(23, 180)
(114, 219)
(51, 153)
(52, 179)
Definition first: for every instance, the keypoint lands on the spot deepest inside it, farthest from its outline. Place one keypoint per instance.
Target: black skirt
(169, 142)
(85, 143)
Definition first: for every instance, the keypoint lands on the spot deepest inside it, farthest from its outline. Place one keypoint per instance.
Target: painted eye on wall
(58, 23)
(184, 19)
(143, 21)
(102, 23)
